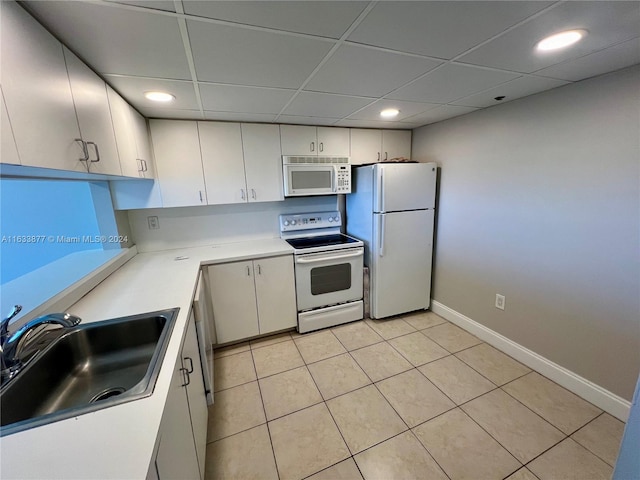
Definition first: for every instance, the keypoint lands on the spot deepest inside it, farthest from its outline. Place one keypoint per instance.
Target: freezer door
(404, 186)
(401, 271)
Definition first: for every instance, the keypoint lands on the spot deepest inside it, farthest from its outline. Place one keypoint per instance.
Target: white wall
(539, 201)
(215, 224)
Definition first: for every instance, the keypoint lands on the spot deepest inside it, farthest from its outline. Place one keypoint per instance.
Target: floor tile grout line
(591, 451)
(329, 410)
(264, 410)
(238, 433)
(429, 453)
(536, 413)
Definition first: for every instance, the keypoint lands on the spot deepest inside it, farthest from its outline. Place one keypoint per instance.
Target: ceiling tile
(300, 120)
(151, 112)
(450, 83)
(613, 58)
(118, 40)
(407, 109)
(439, 28)
(371, 124)
(232, 98)
(326, 19)
(133, 88)
(166, 5)
(356, 70)
(520, 87)
(439, 113)
(607, 23)
(311, 104)
(248, 57)
(239, 117)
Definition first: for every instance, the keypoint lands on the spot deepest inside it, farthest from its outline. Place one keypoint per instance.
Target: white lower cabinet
(183, 432)
(252, 297)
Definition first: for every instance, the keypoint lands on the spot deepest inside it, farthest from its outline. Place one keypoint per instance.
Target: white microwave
(316, 175)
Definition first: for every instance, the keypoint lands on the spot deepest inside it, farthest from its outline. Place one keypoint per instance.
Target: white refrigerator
(392, 208)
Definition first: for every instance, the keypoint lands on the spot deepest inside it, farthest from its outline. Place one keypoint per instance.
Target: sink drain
(108, 393)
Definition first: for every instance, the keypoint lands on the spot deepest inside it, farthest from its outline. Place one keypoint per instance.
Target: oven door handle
(330, 258)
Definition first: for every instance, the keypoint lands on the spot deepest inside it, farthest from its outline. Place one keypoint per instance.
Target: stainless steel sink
(88, 368)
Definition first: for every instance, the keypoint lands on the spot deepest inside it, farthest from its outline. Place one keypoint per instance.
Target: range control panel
(343, 179)
(309, 221)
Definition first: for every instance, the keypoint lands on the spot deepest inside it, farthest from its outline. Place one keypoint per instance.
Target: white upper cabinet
(125, 140)
(262, 162)
(94, 116)
(141, 134)
(371, 146)
(333, 142)
(132, 138)
(315, 141)
(9, 150)
(37, 93)
(178, 162)
(396, 144)
(222, 162)
(365, 146)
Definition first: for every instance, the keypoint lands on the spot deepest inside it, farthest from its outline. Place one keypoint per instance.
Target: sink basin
(88, 368)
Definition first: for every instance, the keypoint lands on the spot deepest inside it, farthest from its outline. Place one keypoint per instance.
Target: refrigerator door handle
(381, 227)
(380, 189)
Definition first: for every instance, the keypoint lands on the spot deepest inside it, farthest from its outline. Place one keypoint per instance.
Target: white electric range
(328, 269)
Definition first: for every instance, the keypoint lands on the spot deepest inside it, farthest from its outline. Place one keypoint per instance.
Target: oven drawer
(329, 316)
(329, 278)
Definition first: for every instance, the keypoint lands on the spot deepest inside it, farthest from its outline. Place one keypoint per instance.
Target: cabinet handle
(313, 146)
(378, 156)
(85, 150)
(143, 165)
(242, 194)
(248, 272)
(321, 146)
(190, 364)
(140, 166)
(253, 194)
(95, 145)
(188, 378)
(259, 270)
(386, 155)
(200, 193)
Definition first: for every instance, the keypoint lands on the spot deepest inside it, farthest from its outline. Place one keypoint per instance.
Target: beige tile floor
(413, 397)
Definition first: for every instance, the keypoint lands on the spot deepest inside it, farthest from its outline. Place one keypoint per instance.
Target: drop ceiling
(338, 63)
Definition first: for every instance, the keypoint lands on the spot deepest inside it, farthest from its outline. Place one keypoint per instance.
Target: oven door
(309, 180)
(329, 278)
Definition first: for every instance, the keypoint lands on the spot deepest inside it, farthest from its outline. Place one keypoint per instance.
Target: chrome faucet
(9, 344)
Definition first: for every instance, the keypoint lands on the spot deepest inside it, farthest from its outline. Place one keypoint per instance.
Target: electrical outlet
(500, 301)
(153, 222)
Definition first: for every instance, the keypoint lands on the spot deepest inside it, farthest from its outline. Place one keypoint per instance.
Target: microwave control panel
(343, 179)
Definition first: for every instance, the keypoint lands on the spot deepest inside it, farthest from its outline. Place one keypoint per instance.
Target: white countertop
(118, 442)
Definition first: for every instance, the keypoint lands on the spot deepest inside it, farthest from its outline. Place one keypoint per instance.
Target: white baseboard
(602, 398)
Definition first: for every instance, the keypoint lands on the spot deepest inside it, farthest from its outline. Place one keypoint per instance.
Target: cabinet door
(233, 297)
(141, 135)
(298, 140)
(195, 392)
(176, 455)
(275, 293)
(333, 142)
(9, 152)
(94, 117)
(125, 140)
(396, 144)
(37, 93)
(365, 146)
(222, 162)
(262, 162)
(178, 162)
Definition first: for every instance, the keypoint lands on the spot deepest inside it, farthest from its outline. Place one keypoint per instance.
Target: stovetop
(321, 241)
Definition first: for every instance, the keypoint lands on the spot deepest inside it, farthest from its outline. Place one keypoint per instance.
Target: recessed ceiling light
(560, 40)
(159, 96)
(389, 113)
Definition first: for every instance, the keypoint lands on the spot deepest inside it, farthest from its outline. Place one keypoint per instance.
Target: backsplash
(214, 224)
